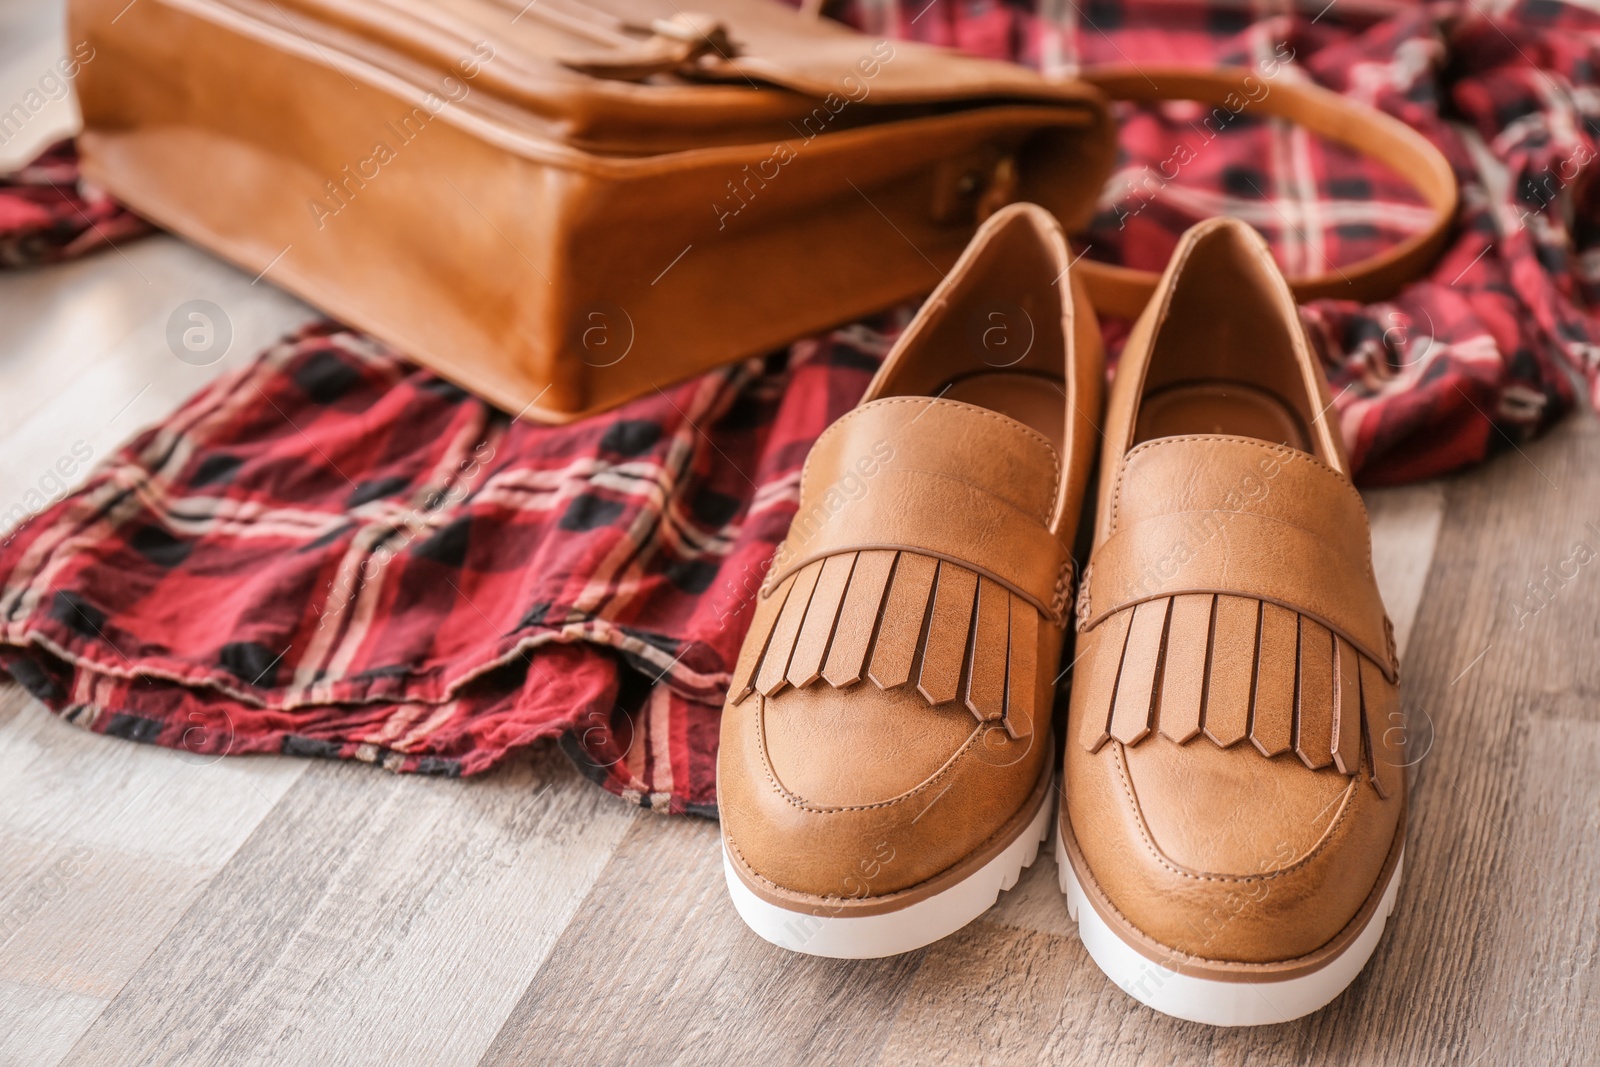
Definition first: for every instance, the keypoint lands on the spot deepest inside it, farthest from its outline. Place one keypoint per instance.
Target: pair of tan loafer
(1232, 801)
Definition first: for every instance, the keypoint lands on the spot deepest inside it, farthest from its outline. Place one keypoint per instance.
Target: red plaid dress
(332, 552)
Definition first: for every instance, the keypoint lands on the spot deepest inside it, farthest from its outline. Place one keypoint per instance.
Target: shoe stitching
(1081, 610)
(751, 872)
(1101, 895)
(749, 868)
(801, 804)
(1161, 858)
(1063, 590)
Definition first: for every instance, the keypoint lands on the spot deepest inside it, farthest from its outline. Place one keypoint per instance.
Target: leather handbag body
(563, 204)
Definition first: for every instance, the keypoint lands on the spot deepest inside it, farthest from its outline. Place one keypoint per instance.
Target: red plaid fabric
(47, 214)
(332, 552)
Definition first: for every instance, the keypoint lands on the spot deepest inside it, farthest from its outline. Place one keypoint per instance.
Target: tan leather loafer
(886, 757)
(1234, 802)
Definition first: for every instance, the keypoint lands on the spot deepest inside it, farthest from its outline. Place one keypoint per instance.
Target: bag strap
(1124, 291)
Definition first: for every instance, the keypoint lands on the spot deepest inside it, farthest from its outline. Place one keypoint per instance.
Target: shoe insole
(1230, 408)
(1034, 400)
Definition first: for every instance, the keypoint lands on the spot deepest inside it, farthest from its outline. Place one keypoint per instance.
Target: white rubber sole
(1206, 1000)
(861, 937)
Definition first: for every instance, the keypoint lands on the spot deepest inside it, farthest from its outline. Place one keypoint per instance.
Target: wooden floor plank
(105, 845)
(656, 968)
(1405, 531)
(32, 41)
(1548, 967)
(370, 919)
(13, 699)
(40, 1024)
(996, 995)
(87, 347)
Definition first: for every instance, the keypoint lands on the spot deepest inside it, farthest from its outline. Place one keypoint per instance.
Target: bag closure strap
(1139, 564)
(978, 530)
(677, 45)
(936, 478)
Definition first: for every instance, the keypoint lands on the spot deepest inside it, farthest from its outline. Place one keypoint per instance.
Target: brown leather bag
(561, 204)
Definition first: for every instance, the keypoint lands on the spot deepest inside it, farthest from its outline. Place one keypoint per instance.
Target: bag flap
(648, 76)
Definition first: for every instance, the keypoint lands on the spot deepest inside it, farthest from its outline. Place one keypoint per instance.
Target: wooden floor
(158, 908)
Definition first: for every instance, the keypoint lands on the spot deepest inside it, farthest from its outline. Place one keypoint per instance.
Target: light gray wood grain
(1009, 996)
(41, 1024)
(86, 357)
(370, 919)
(1405, 528)
(104, 844)
(657, 968)
(1492, 935)
(33, 40)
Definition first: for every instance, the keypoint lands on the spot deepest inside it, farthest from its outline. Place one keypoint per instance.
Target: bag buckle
(683, 44)
(969, 188)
